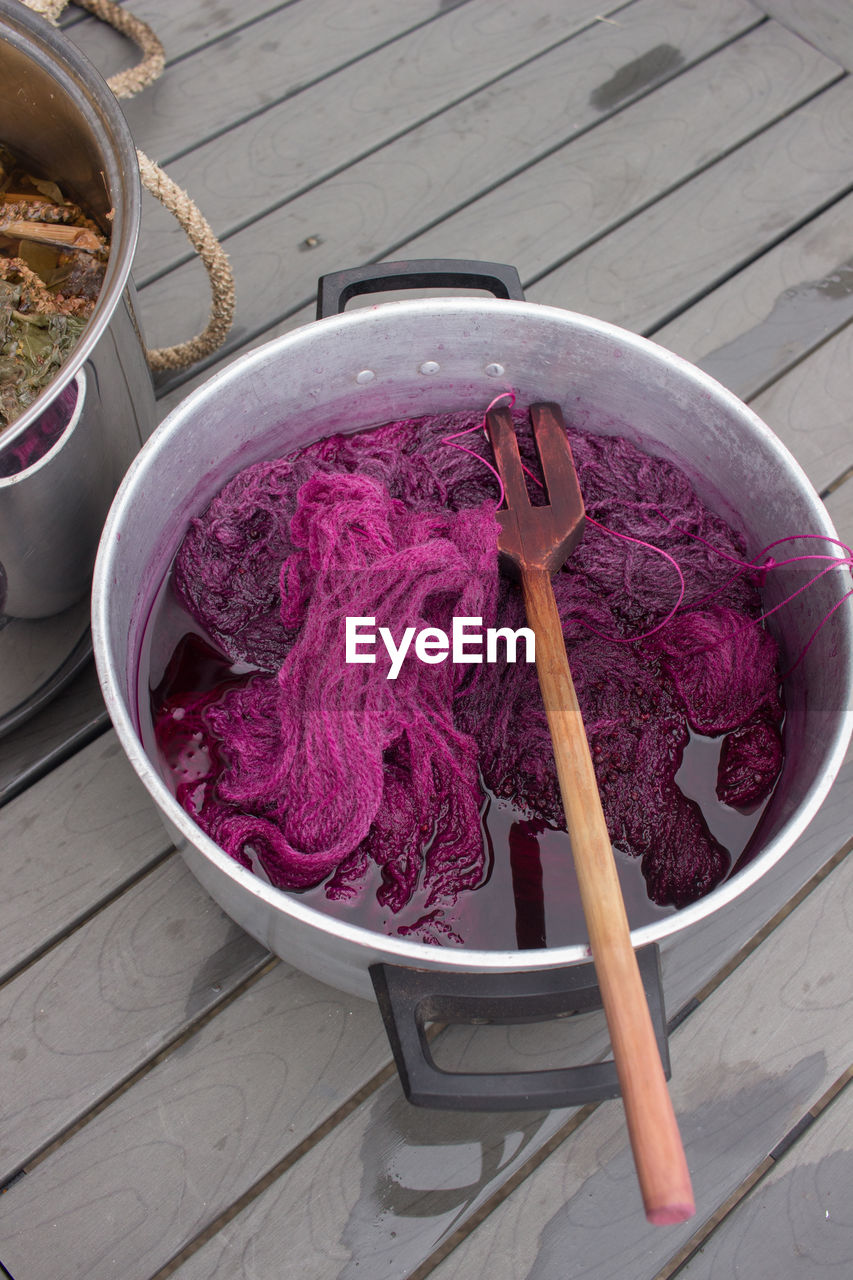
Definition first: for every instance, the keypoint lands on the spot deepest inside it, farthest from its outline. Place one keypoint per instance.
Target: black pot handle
(409, 998)
(335, 290)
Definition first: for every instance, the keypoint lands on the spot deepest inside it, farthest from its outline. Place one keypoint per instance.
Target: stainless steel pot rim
(84, 84)
(394, 948)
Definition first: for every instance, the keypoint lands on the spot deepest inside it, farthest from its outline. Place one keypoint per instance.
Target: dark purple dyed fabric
(40, 437)
(328, 767)
(750, 760)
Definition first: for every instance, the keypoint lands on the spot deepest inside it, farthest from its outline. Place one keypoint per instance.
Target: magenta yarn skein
(318, 767)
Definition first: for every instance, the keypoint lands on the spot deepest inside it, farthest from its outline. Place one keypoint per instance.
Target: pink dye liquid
(529, 895)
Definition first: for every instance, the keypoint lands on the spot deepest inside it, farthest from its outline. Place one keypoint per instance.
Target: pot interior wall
(358, 370)
(43, 122)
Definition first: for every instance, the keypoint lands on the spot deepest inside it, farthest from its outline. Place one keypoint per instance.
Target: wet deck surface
(177, 1102)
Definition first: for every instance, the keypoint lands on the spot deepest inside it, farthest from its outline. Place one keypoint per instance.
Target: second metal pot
(59, 116)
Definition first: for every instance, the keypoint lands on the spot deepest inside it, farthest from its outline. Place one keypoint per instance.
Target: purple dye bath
(389, 801)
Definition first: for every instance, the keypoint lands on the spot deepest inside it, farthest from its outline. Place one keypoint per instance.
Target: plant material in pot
(52, 263)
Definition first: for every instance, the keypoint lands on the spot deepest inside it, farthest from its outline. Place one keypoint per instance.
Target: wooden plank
(742, 1074)
(74, 718)
(809, 409)
(827, 24)
(746, 1067)
(181, 28)
(664, 259)
(270, 60)
(71, 16)
(122, 1195)
(105, 48)
(594, 182)
(430, 1137)
(755, 326)
(796, 1222)
(105, 1001)
(371, 1196)
(173, 390)
(69, 843)
(520, 116)
(432, 1169)
(304, 41)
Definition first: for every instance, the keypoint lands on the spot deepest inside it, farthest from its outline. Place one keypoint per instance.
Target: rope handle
(198, 230)
(216, 263)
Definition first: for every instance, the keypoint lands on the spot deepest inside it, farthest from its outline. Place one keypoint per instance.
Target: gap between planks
(281, 1167)
(85, 917)
(64, 749)
(724, 153)
(780, 265)
(336, 168)
(268, 106)
(753, 1181)
(836, 483)
(743, 265)
(410, 238)
(538, 1158)
(164, 1052)
(74, 719)
(530, 1165)
(276, 57)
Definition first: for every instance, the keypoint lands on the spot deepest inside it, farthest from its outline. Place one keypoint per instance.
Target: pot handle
(409, 998)
(335, 289)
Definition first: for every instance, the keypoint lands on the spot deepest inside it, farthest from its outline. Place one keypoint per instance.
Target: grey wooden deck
(174, 1100)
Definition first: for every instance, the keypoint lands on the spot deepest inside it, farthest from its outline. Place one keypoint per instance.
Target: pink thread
(792, 537)
(660, 551)
(836, 562)
(792, 596)
(626, 537)
(637, 542)
(743, 564)
(771, 563)
(477, 427)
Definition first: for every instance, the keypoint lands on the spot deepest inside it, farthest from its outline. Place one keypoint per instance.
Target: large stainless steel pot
(58, 114)
(405, 358)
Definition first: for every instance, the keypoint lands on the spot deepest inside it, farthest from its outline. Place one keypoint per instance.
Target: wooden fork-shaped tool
(536, 541)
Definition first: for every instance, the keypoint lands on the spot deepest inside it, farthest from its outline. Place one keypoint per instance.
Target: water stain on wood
(238, 956)
(802, 317)
(636, 75)
(422, 1172)
(719, 1123)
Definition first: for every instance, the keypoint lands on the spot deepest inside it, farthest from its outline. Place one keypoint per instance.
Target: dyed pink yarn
(325, 756)
(723, 672)
(326, 768)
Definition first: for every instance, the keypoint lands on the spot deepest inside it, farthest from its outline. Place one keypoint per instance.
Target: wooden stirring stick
(536, 541)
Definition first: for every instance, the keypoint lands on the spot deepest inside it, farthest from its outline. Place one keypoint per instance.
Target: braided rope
(198, 230)
(48, 9)
(126, 83)
(206, 245)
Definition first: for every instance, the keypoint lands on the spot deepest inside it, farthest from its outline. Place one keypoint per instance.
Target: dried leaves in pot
(52, 263)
